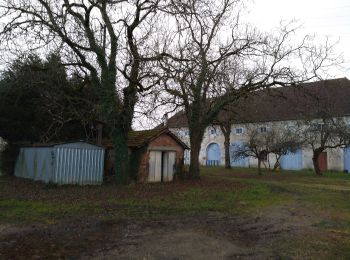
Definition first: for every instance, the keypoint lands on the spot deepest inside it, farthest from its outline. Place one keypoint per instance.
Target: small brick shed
(160, 154)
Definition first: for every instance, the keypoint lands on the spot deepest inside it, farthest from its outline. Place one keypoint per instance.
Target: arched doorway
(213, 154)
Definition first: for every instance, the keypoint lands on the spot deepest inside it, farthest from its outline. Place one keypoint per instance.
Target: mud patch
(205, 236)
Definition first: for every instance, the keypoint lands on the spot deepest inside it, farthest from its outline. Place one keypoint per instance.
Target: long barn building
(275, 108)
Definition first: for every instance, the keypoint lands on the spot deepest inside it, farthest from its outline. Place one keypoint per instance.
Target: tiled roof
(138, 139)
(285, 103)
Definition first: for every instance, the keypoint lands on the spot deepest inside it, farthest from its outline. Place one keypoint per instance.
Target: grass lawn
(287, 215)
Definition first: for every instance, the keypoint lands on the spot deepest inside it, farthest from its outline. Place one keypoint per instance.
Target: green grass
(200, 200)
(252, 197)
(326, 199)
(194, 201)
(22, 211)
(329, 193)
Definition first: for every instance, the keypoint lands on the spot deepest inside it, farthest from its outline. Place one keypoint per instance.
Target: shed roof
(68, 143)
(137, 139)
(284, 103)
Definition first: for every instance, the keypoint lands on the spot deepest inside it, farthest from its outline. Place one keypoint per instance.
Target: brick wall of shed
(165, 141)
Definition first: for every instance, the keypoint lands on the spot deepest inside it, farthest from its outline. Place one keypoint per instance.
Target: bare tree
(324, 131)
(284, 139)
(225, 119)
(277, 140)
(211, 45)
(107, 40)
(257, 146)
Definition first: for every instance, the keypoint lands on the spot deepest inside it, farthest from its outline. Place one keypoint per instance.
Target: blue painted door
(347, 159)
(292, 161)
(213, 154)
(237, 162)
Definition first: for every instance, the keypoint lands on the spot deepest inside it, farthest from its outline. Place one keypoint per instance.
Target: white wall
(335, 156)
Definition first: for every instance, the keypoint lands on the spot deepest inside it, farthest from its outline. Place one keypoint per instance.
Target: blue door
(292, 161)
(237, 162)
(187, 157)
(213, 154)
(347, 159)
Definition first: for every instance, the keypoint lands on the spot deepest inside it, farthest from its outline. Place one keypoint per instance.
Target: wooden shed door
(168, 166)
(322, 160)
(155, 166)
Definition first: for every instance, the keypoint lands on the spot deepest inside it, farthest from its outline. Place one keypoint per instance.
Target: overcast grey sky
(321, 17)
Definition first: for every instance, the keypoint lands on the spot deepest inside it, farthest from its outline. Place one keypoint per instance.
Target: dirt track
(210, 236)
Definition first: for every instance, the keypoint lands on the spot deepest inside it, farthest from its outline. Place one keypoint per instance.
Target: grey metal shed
(68, 163)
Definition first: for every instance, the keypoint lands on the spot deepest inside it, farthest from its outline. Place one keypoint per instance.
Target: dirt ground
(205, 236)
(280, 230)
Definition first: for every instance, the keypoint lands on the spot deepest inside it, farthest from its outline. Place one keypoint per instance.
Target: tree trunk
(119, 122)
(227, 149)
(195, 142)
(259, 166)
(315, 161)
(121, 155)
(277, 163)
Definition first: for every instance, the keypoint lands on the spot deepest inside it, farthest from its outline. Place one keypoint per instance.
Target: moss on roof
(138, 139)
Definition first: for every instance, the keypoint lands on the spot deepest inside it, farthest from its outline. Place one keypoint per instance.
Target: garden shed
(79, 163)
(156, 154)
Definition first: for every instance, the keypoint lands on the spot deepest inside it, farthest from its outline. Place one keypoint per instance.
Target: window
(262, 129)
(212, 131)
(239, 131)
(318, 126)
(291, 127)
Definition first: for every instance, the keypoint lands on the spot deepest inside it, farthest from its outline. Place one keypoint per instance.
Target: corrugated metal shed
(69, 163)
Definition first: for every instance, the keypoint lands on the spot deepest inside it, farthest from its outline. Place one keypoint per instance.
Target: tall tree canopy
(39, 103)
(111, 41)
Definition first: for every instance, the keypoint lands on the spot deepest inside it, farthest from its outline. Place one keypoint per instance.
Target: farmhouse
(275, 108)
(157, 153)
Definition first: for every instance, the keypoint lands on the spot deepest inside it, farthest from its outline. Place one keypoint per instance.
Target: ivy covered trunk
(227, 150)
(121, 155)
(118, 114)
(195, 142)
(194, 165)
